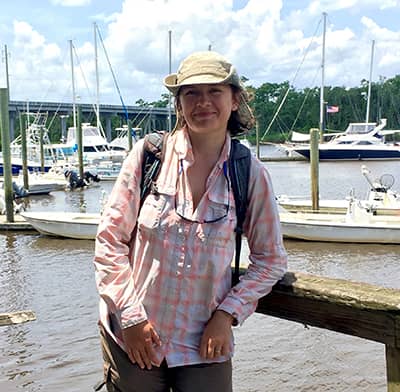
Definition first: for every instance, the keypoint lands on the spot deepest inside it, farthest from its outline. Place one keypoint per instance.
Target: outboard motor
(90, 177)
(73, 179)
(76, 182)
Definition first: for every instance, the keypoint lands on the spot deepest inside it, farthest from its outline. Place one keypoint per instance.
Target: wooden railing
(356, 309)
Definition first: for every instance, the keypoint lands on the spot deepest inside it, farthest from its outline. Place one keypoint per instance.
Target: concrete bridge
(146, 118)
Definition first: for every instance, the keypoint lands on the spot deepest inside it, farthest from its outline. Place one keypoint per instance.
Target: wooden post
(393, 366)
(24, 154)
(5, 145)
(41, 132)
(314, 162)
(257, 140)
(358, 309)
(79, 141)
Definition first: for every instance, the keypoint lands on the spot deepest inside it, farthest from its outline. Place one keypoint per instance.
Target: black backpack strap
(153, 153)
(239, 164)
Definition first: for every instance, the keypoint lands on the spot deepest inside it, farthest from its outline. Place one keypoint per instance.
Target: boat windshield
(360, 128)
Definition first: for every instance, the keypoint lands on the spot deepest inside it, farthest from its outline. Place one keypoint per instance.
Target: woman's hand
(216, 338)
(140, 341)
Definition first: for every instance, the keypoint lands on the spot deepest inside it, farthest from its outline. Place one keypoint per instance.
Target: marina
(332, 323)
(55, 278)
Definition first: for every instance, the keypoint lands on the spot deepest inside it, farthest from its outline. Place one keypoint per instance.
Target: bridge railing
(358, 309)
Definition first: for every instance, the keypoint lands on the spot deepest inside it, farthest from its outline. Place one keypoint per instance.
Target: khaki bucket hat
(211, 68)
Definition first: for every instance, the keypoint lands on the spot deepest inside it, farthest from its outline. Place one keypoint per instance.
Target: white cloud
(266, 41)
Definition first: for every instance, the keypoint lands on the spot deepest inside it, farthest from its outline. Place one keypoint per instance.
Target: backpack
(239, 172)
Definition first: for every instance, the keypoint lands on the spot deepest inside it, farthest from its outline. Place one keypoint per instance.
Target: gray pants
(121, 375)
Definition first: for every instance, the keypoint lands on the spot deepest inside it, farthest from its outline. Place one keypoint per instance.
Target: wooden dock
(19, 224)
(282, 159)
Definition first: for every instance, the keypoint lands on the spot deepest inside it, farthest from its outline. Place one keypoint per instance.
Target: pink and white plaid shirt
(176, 273)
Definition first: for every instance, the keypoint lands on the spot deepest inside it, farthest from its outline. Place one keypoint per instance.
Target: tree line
(301, 109)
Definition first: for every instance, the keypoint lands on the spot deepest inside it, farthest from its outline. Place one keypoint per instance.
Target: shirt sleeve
(113, 269)
(268, 258)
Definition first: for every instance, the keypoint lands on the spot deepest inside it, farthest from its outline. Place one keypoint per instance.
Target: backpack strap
(239, 163)
(153, 154)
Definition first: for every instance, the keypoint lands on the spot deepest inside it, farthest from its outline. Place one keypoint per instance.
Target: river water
(55, 278)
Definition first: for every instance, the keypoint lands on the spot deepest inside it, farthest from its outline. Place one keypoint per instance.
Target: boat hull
(352, 154)
(16, 168)
(332, 207)
(66, 224)
(335, 228)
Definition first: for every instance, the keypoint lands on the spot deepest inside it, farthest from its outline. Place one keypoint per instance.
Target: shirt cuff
(133, 316)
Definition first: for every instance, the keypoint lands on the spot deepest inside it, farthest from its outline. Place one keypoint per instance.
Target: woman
(164, 273)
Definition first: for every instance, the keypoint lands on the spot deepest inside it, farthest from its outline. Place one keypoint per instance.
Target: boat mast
(7, 76)
(369, 81)
(73, 84)
(96, 61)
(322, 103)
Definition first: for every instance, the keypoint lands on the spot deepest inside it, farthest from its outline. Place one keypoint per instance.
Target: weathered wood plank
(353, 308)
(393, 368)
(16, 317)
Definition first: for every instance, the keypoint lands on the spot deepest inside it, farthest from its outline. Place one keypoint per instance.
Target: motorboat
(358, 225)
(360, 141)
(39, 157)
(107, 171)
(39, 184)
(64, 224)
(95, 146)
(381, 199)
(121, 141)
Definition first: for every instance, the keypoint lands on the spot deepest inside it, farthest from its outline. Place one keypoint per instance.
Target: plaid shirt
(175, 273)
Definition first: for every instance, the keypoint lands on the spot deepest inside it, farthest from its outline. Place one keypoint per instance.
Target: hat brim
(170, 81)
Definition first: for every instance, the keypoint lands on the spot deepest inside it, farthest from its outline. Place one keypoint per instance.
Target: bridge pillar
(108, 128)
(12, 125)
(63, 118)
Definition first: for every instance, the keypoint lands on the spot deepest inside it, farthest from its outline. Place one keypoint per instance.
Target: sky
(267, 40)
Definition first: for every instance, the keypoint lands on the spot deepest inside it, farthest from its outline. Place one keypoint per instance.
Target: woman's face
(206, 108)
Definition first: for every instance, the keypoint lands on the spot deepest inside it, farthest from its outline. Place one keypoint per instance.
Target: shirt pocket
(220, 234)
(150, 214)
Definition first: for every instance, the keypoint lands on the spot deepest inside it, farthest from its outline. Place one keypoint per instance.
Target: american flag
(332, 109)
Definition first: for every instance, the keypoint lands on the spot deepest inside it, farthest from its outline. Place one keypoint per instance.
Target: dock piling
(5, 146)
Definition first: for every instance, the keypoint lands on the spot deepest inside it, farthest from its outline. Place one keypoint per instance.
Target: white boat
(41, 183)
(95, 146)
(107, 171)
(121, 142)
(356, 226)
(360, 141)
(64, 224)
(381, 200)
(36, 134)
